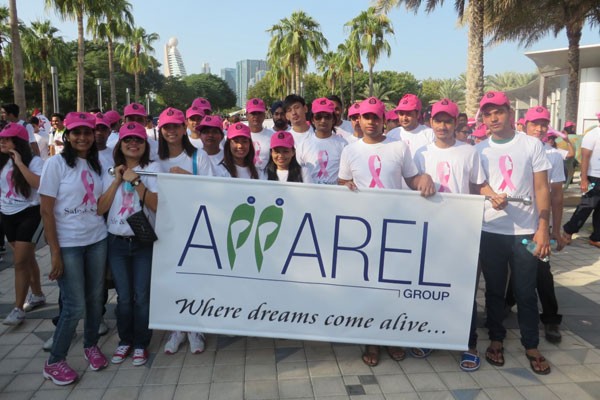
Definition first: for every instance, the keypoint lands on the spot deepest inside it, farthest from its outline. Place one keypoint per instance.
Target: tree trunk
(475, 57)
(297, 73)
(136, 80)
(574, 36)
(111, 75)
(352, 85)
(18, 79)
(80, 61)
(371, 79)
(44, 83)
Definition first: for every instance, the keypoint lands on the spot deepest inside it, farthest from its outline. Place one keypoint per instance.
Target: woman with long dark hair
(238, 154)
(282, 165)
(130, 260)
(69, 188)
(20, 204)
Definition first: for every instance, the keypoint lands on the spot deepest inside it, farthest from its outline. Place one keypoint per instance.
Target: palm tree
(378, 90)
(475, 18)
(133, 55)
(18, 78)
(369, 29)
(5, 60)
(570, 15)
(44, 49)
(452, 89)
(508, 80)
(77, 10)
(349, 53)
(329, 65)
(293, 41)
(113, 22)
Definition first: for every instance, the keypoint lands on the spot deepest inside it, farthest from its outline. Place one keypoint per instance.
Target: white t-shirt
(11, 201)
(53, 136)
(76, 191)
(242, 172)
(557, 172)
(380, 165)
(282, 175)
(41, 137)
(300, 136)
(106, 159)
(196, 142)
(262, 147)
(591, 141)
(345, 129)
(452, 169)
(126, 203)
(419, 137)
(204, 166)
(30, 130)
(509, 168)
(216, 158)
(112, 139)
(320, 158)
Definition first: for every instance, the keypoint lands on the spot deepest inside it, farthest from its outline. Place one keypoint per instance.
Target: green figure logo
(246, 212)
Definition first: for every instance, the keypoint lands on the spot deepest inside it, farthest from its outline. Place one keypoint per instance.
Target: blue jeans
(497, 254)
(131, 266)
(81, 290)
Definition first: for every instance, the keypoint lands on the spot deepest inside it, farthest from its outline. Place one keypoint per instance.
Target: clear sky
(225, 31)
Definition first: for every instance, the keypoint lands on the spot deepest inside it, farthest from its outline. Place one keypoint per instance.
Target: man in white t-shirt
(515, 165)
(41, 137)
(256, 112)
(590, 174)
(10, 113)
(295, 112)
(376, 161)
(211, 133)
(410, 131)
(319, 154)
(354, 117)
(343, 127)
(193, 118)
(101, 134)
(136, 112)
(114, 120)
(392, 121)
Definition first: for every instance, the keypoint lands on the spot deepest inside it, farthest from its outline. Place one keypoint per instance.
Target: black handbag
(140, 225)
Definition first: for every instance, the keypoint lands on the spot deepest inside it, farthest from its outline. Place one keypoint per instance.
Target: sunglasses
(323, 116)
(133, 139)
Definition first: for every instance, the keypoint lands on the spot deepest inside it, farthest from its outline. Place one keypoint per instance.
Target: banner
(314, 262)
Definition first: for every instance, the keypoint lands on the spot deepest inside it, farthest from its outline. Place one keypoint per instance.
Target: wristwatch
(136, 182)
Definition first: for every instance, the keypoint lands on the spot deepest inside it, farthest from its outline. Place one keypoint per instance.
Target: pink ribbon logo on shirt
(256, 153)
(443, 174)
(375, 170)
(88, 185)
(506, 169)
(127, 203)
(323, 160)
(11, 186)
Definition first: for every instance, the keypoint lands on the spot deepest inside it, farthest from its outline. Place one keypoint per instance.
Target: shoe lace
(138, 353)
(122, 350)
(94, 352)
(63, 367)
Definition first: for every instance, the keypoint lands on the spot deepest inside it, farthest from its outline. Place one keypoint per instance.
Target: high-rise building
(246, 70)
(228, 75)
(206, 68)
(173, 62)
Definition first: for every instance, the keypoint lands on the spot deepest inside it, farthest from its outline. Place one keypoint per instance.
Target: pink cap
(409, 102)
(471, 121)
(213, 121)
(135, 109)
(323, 105)
(13, 129)
(77, 119)
(495, 98)
(445, 106)
(255, 105)
(391, 116)
(238, 129)
(598, 115)
(194, 110)
(354, 110)
(372, 105)
(568, 124)
(202, 104)
(480, 132)
(535, 113)
(101, 120)
(282, 139)
(521, 121)
(554, 132)
(132, 129)
(111, 116)
(170, 116)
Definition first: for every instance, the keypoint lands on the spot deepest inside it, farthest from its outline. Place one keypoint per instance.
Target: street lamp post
(148, 103)
(127, 96)
(54, 73)
(99, 90)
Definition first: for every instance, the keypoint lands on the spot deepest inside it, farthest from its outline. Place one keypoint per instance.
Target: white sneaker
(34, 301)
(102, 328)
(175, 340)
(196, 340)
(15, 317)
(47, 346)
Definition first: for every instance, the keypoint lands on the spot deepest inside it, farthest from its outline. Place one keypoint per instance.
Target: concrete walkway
(251, 368)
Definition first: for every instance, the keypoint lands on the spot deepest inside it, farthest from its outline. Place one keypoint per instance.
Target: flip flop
(418, 352)
(371, 355)
(495, 352)
(396, 353)
(469, 358)
(539, 360)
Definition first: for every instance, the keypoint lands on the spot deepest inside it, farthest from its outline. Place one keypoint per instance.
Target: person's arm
(105, 201)
(542, 202)
(570, 147)
(151, 199)
(47, 211)
(423, 183)
(586, 156)
(32, 179)
(498, 201)
(348, 183)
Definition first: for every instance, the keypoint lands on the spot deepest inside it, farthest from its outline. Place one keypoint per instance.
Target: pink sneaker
(140, 357)
(60, 373)
(95, 357)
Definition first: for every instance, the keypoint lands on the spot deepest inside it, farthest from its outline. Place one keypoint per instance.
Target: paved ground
(250, 368)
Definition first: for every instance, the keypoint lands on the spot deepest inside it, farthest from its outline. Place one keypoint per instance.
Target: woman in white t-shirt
(178, 156)
(20, 204)
(130, 260)
(282, 165)
(211, 134)
(238, 154)
(69, 188)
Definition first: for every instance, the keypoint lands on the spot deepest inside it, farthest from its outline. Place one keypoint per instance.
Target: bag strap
(143, 198)
(195, 162)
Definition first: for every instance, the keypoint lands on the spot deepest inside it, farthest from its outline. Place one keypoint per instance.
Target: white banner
(314, 262)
